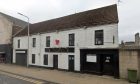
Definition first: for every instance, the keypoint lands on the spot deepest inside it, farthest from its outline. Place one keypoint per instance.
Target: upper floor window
(99, 37)
(113, 39)
(18, 43)
(71, 39)
(48, 41)
(34, 42)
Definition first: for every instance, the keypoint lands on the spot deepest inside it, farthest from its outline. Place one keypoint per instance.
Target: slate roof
(100, 16)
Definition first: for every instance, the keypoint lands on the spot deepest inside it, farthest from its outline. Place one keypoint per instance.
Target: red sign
(57, 42)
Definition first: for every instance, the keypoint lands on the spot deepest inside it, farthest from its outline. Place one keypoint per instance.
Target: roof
(16, 21)
(100, 16)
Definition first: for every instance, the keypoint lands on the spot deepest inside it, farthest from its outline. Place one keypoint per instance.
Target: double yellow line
(31, 80)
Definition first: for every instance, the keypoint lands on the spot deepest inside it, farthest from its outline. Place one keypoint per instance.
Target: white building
(86, 42)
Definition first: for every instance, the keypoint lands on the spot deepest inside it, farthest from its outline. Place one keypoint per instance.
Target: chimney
(137, 39)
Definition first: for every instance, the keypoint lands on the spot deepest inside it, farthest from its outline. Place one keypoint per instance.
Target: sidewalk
(60, 76)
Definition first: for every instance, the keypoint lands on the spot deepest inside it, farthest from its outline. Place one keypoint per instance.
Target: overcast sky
(40, 10)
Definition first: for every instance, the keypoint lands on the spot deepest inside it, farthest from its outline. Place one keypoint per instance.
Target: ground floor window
(45, 59)
(33, 58)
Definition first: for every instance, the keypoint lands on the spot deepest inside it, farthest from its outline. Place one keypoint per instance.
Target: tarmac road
(4, 79)
(7, 78)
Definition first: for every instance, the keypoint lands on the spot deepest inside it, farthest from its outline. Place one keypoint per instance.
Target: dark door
(71, 62)
(21, 59)
(2, 58)
(107, 65)
(55, 61)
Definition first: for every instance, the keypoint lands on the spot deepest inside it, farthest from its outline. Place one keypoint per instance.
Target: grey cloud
(40, 10)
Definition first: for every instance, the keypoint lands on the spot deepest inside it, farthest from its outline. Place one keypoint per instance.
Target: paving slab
(61, 77)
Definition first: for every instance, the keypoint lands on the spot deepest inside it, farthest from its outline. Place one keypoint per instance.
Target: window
(34, 42)
(18, 43)
(99, 37)
(33, 58)
(91, 58)
(48, 41)
(45, 59)
(71, 39)
(113, 39)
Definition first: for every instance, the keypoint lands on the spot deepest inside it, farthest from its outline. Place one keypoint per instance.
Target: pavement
(57, 76)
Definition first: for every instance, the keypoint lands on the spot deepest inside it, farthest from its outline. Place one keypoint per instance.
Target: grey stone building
(129, 57)
(9, 26)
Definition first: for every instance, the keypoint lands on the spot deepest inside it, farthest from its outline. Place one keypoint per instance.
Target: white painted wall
(23, 45)
(84, 38)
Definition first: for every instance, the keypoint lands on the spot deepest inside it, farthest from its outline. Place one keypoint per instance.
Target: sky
(40, 10)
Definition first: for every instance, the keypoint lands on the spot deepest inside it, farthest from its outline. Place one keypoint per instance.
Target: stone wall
(139, 65)
(128, 59)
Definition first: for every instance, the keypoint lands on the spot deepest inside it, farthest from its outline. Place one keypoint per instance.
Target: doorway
(2, 58)
(71, 62)
(107, 64)
(21, 59)
(55, 61)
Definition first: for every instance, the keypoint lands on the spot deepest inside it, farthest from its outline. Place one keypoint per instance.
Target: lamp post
(28, 37)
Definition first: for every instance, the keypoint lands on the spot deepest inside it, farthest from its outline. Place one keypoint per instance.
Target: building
(129, 57)
(137, 39)
(83, 42)
(8, 27)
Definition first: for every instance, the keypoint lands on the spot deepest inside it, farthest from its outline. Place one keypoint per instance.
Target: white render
(84, 39)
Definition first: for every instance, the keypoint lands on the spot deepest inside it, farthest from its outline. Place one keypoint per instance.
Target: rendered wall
(84, 39)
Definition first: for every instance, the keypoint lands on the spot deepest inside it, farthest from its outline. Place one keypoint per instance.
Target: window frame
(99, 37)
(33, 59)
(48, 41)
(18, 45)
(72, 39)
(45, 62)
(113, 39)
(33, 42)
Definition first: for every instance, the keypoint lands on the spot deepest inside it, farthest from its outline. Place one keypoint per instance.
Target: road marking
(23, 78)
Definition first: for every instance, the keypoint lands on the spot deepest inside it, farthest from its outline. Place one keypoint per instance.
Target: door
(2, 58)
(55, 61)
(21, 59)
(108, 64)
(71, 62)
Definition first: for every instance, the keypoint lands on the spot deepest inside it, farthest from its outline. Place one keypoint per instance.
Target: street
(4, 79)
(8, 78)
(42, 75)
